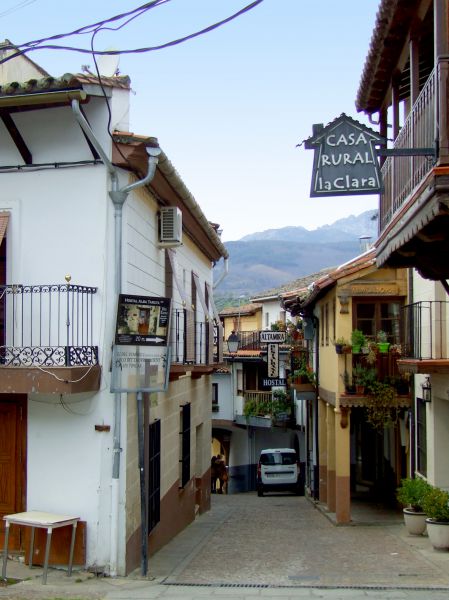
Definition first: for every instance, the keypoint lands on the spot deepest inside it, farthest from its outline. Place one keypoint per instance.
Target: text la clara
(346, 182)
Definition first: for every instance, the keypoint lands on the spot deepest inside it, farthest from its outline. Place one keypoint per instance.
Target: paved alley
(270, 547)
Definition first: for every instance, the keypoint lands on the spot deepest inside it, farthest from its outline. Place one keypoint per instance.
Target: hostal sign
(345, 160)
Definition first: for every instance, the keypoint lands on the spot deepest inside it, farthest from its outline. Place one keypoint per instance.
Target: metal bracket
(430, 152)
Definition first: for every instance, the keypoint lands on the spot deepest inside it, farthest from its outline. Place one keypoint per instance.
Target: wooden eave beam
(16, 137)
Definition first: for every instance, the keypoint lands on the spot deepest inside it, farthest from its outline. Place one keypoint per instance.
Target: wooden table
(42, 520)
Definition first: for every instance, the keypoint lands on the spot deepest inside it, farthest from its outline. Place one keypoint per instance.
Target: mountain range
(269, 259)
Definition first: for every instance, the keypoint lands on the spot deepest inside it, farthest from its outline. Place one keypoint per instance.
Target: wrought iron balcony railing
(47, 326)
(402, 174)
(194, 342)
(426, 330)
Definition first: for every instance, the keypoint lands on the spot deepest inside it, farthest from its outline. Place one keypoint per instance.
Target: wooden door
(12, 462)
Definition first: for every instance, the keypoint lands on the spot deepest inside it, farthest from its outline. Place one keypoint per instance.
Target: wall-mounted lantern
(233, 342)
(426, 390)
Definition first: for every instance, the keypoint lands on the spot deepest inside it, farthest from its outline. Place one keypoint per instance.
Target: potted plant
(436, 507)
(382, 409)
(341, 345)
(357, 340)
(411, 494)
(280, 406)
(371, 354)
(358, 377)
(382, 341)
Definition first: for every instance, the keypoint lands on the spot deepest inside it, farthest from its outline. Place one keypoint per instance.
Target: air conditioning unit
(170, 226)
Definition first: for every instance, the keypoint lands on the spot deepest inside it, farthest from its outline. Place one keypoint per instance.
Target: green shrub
(411, 493)
(357, 337)
(436, 504)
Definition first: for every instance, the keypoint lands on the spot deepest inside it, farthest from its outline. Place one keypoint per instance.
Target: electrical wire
(66, 380)
(13, 9)
(31, 46)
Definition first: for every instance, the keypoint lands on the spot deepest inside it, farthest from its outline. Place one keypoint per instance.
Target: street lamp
(233, 342)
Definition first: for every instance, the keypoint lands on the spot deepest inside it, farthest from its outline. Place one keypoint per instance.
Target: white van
(278, 469)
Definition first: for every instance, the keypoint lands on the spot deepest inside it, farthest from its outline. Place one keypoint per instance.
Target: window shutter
(189, 317)
(209, 321)
(218, 324)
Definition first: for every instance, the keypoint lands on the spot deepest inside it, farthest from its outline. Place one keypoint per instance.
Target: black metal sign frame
(345, 161)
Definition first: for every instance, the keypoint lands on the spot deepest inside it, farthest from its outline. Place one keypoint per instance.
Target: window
(421, 437)
(322, 325)
(371, 316)
(183, 330)
(215, 407)
(185, 445)
(334, 319)
(267, 319)
(154, 475)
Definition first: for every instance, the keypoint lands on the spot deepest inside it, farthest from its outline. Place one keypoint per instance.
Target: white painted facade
(272, 311)
(62, 224)
(434, 329)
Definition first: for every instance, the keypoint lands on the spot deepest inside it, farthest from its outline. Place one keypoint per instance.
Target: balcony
(196, 346)
(265, 409)
(46, 339)
(425, 347)
(403, 174)
(414, 205)
(249, 343)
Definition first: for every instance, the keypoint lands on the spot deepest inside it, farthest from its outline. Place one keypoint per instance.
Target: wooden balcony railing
(402, 174)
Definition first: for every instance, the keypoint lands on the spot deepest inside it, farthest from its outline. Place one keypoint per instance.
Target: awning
(4, 218)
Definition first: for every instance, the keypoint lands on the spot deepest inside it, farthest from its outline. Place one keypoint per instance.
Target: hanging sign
(140, 368)
(142, 320)
(272, 337)
(345, 161)
(273, 360)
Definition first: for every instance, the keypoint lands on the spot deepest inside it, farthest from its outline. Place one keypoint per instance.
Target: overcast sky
(230, 106)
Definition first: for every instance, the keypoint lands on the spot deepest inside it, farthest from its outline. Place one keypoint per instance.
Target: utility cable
(26, 48)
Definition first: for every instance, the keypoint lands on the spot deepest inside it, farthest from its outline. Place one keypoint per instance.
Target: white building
(77, 226)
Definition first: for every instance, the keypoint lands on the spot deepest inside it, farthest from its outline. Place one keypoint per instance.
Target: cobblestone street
(276, 546)
(284, 540)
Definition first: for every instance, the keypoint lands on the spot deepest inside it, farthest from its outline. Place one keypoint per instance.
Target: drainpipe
(118, 198)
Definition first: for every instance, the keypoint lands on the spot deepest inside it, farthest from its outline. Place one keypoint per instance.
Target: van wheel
(260, 491)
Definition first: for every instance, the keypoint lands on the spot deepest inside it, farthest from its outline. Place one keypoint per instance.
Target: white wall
(225, 396)
(69, 463)
(275, 312)
(62, 223)
(438, 410)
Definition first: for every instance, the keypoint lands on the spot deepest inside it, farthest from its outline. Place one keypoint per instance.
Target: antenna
(108, 63)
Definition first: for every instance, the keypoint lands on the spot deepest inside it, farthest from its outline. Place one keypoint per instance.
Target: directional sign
(142, 320)
(272, 337)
